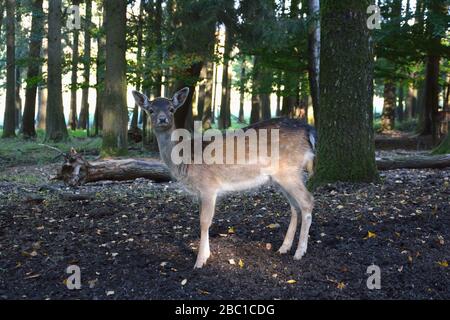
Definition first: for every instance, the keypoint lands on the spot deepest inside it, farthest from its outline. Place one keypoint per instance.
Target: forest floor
(138, 240)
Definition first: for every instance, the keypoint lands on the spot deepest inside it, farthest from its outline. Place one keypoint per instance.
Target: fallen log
(77, 171)
(415, 162)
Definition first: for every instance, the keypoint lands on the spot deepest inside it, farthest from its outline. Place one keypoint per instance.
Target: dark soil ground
(138, 240)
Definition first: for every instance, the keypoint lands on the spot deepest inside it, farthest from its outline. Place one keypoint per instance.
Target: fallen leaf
(292, 281)
(370, 235)
(231, 230)
(183, 282)
(109, 293)
(443, 263)
(341, 285)
(241, 263)
(231, 261)
(273, 226)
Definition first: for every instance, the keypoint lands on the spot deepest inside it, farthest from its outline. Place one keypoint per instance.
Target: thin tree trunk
(115, 113)
(135, 117)
(83, 121)
(225, 114)
(242, 93)
(74, 83)
(34, 66)
(18, 113)
(9, 125)
(207, 113)
(410, 100)
(202, 92)
(401, 97)
(42, 107)
(388, 115)
(314, 57)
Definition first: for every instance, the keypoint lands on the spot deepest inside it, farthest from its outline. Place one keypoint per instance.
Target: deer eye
(171, 109)
(150, 111)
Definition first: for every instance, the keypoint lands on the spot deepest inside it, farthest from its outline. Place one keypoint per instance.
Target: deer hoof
(299, 253)
(284, 249)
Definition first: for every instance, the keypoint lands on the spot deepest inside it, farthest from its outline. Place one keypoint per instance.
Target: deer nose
(162, 120)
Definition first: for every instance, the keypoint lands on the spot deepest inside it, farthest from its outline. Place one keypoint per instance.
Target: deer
(209, 181)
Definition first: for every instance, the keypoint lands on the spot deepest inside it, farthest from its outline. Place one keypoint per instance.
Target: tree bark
(83, 120)
(225, 113)
(314, 57)
(346, 140)
(242, 93)
(207, 117)
(55, 123)
(100, 75)
(388, 115)
(400, 105)
(74, 83)
(9, 122)
(34, 66)
(135, 116)
(115, 113)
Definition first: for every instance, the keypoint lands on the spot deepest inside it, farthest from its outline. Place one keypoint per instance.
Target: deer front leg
(207, 207)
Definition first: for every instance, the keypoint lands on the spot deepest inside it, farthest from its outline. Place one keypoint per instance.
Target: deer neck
(166, 145)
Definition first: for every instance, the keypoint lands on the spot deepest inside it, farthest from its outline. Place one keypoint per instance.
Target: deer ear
(179, 98)
(140, 99)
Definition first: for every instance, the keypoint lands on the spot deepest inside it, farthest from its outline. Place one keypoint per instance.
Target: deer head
(161, 110)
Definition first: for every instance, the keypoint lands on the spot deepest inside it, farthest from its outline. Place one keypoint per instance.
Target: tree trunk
(242, 93)
(430, 119)
(115, 113)
(33, 73)
(55, 123)
(410, 101)
(202, 92)
(346, 140)
(42, 107)
(2, 9)
(401, 97)
(18, 113)
(9, 122)
(74, 83)
(83, 120)
(209, 87)
(135, 117)
(225, 112)
(388, 115)
(100, 75)
(314, 57)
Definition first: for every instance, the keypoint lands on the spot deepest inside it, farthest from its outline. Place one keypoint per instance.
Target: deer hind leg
(207, 207)
(295, 189)
(290, 233)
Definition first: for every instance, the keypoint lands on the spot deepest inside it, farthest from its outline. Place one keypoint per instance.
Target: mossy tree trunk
(115, 114)
(346, 150)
